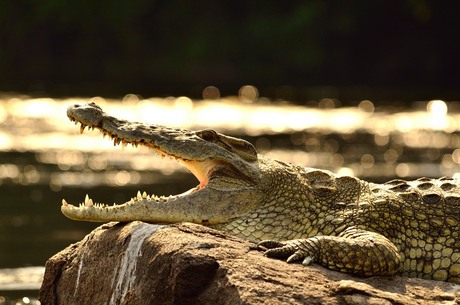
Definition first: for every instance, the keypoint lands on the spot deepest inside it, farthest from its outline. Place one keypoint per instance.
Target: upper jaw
(183, 145)
(177, 143)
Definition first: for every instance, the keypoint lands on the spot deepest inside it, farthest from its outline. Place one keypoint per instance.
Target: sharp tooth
(115, 141)
(64, 202)
(88, 201)
(139, 195)
(82, 128)
(144, 195)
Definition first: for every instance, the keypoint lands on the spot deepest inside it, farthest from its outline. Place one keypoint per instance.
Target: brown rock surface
(134, 263)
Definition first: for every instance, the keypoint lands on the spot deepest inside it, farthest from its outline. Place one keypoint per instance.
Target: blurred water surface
(43, 158)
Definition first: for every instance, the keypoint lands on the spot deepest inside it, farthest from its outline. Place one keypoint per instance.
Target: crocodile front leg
(353, 251)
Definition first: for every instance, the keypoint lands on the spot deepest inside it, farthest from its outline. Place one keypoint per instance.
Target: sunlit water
(43, 158)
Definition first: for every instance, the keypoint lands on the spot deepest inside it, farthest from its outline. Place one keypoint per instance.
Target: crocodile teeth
(64, 202)
(82, 128)
(139, 195)
(88, 201)
(144, 195)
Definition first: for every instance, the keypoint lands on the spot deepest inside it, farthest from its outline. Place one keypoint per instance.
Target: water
(43, 159)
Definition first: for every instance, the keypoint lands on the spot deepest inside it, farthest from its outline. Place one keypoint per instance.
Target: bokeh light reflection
(438, 111)
(248, 94)
(211, 93)
(40, 126)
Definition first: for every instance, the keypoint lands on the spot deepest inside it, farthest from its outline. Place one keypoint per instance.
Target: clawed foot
(291, 250)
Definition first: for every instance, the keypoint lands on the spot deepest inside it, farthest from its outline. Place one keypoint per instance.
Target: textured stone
(139, 263)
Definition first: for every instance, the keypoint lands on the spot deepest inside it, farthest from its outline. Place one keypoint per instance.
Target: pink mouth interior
(200, 169)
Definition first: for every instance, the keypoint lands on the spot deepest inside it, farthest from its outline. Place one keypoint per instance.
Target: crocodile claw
(269, 244)
(290, 250)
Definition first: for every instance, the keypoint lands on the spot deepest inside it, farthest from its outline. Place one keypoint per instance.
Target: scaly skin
(302, 214)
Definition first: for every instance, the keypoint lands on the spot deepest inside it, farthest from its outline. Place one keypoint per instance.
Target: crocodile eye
(208, 135)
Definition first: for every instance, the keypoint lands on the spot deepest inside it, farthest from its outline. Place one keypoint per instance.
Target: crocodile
(299, 214)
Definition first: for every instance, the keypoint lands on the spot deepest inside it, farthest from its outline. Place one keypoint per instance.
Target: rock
(140, 263)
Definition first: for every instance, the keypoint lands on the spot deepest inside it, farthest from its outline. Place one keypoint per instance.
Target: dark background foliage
(395, 49)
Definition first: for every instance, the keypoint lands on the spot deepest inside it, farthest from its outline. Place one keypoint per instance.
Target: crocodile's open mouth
(202, 170)
(226, 168)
